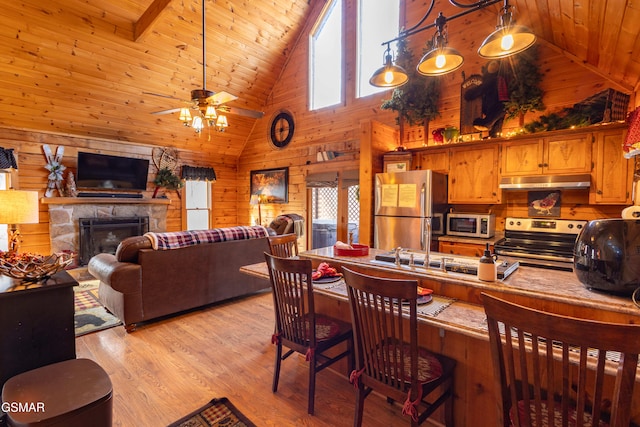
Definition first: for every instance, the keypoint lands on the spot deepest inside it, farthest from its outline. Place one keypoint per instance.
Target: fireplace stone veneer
(65, 213)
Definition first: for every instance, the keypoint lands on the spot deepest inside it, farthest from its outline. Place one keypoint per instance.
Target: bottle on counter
(487, 268)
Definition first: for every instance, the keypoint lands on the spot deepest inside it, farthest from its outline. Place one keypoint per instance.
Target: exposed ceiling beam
(143, 24)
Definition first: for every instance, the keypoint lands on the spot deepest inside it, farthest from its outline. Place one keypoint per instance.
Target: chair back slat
(284, 245)
(553, 367)
(293, 299)
(379, 319)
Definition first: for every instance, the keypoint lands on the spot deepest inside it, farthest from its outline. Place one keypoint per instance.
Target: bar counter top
(554, 290)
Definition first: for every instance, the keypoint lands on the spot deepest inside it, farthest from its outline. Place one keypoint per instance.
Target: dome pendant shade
(440, 61)
(389, 75)
(507, 41)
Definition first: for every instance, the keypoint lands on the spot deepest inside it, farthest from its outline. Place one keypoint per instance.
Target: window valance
(7, 159)
(193, 173)
(350, 178)
(322, 179)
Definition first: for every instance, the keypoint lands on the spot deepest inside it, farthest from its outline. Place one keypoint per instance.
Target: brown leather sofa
(140, 283)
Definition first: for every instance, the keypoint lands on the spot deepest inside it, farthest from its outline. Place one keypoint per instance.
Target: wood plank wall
(31, 175)
(565, 83)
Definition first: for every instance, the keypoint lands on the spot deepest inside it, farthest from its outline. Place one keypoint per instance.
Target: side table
(36, 323)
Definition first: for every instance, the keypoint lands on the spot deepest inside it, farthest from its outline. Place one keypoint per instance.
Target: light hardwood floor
(168, 368)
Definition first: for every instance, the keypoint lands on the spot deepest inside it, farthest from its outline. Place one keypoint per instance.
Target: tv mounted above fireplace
(105, 172)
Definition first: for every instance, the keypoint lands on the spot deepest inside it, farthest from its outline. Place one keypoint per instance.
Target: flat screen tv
(104, 172)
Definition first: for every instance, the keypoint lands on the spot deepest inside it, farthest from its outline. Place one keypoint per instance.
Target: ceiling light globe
(441, 61)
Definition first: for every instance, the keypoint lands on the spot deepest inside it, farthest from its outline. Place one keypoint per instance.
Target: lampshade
(197, 124)
(440, 61)
(254, 200)
(185, 115)
(221, 123)
(19, 207)
(389, 75)
(508, 39)
(210, 113)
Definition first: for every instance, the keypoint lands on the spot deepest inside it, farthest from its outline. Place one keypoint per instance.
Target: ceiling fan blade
(242, 112)
(221, 97)
(172, 110)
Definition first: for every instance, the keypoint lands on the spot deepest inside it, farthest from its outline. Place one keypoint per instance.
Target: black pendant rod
(204, 50)
(481, 4)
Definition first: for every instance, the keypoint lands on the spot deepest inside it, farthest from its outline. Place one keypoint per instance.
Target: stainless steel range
(545, 243)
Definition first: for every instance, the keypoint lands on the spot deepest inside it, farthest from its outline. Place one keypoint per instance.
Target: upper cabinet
(613, 174)
(547, 155)
(436, 160)
(473, 174)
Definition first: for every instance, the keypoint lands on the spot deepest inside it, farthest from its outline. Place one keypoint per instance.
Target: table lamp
(18, 207)
(257, 199)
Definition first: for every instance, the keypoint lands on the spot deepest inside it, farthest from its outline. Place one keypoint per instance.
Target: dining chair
(560, 377)
(284, 245)
(299, 327)
(387, 355)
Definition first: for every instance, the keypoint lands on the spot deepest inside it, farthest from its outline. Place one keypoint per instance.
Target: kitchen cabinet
(436, 160)
(559, 154)
(613, 174)
(463, 248)
(473, 174)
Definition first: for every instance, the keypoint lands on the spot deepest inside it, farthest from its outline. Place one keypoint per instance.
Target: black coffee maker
(606, 255)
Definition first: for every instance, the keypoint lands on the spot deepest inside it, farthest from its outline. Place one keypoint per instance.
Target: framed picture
(270, 185)
(544, 203)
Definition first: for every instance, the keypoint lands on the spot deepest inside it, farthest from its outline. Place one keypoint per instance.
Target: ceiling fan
(206, 103)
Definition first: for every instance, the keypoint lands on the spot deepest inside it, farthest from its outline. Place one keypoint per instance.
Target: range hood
(545, 181)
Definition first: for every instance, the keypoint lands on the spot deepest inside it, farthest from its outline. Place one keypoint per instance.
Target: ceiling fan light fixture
(185, 116)
(210, 113)
(221, 123)
(508, 39)
(197, 124)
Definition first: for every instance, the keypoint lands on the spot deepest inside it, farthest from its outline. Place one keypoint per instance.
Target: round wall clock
(281, 130)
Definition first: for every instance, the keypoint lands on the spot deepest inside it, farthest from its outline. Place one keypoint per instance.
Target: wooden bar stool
(73, 393)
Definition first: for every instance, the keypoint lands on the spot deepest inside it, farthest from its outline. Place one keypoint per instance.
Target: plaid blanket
(181, 239)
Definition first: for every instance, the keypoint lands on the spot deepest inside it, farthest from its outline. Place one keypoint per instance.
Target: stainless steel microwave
(471, 225)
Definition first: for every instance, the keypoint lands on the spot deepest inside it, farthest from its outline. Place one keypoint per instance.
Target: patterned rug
(217, 413)
(90, 315)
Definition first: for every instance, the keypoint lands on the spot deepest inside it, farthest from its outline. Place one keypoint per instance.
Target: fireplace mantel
(102, 201)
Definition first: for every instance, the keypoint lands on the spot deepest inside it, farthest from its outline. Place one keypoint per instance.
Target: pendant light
(389, 75)
(508, 39)
(441, 59)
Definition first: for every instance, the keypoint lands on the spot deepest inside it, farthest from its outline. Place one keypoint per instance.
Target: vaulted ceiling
(87, 68)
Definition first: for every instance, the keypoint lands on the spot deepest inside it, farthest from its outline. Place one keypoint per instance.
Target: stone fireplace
(65, 214)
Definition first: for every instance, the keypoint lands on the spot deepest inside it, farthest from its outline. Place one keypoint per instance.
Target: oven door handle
(534, 256)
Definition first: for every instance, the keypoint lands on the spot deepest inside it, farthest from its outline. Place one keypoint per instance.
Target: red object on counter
(358, 250)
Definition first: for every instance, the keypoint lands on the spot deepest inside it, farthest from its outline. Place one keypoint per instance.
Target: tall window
(198, 204)
(325, 47)
(378, 21)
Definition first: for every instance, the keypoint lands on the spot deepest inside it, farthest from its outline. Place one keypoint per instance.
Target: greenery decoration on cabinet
(416, 102)
(525, 94)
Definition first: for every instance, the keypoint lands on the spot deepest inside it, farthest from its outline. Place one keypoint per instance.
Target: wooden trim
(102, 201)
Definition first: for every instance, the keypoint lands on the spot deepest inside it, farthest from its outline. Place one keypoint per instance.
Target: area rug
(90, 315)
(218, 413)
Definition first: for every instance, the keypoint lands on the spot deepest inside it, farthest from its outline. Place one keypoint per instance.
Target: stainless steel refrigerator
(409, 209)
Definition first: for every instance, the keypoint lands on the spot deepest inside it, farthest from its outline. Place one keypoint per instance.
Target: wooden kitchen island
(459, 330)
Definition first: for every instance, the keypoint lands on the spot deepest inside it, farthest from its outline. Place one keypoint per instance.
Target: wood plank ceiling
(82, 67)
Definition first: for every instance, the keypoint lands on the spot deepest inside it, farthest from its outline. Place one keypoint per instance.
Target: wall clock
(281, 129)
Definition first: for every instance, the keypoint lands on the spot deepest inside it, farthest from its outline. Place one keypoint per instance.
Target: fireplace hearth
(102, 235)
